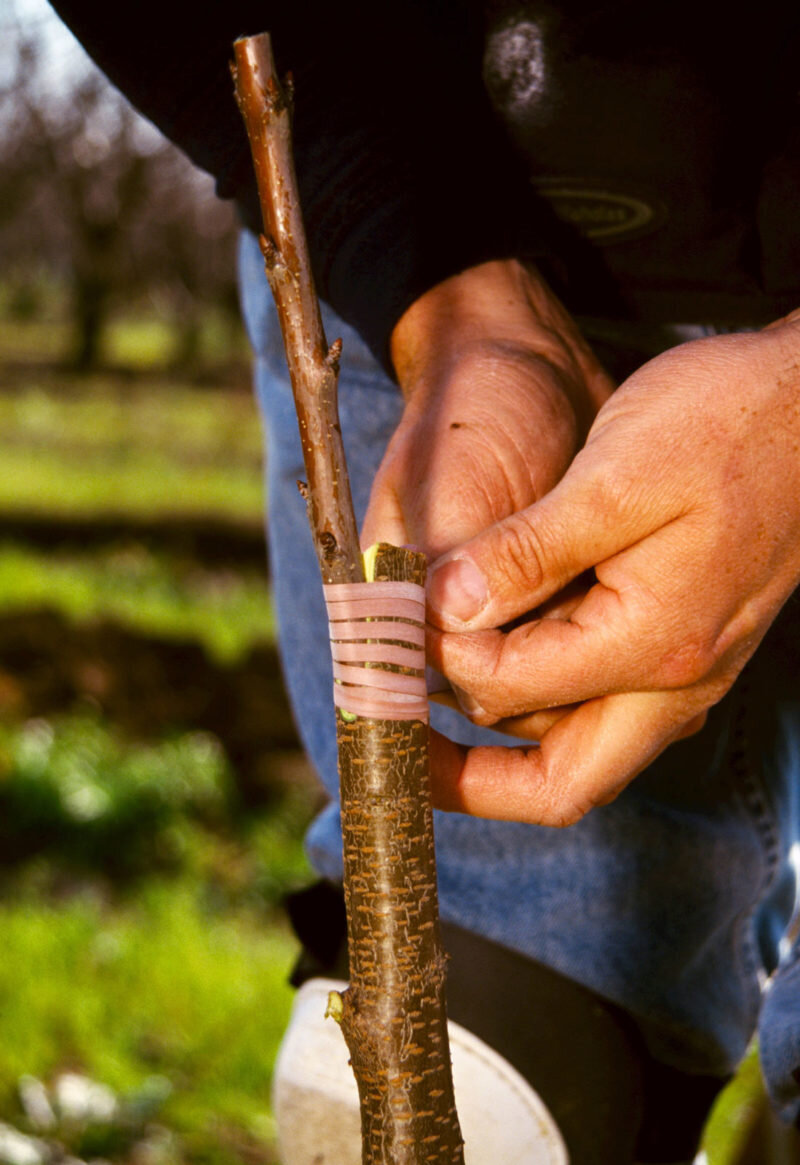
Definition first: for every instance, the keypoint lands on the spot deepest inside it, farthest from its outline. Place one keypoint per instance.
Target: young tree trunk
(393, 1014)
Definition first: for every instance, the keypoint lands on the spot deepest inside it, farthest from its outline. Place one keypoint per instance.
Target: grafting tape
(375, 628)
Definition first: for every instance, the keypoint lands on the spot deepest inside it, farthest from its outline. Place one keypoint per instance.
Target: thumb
(521, 561)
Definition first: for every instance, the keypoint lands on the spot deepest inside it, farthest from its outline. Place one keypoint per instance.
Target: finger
(584, 761)
(461, 701)
(534, 725)
(627, 634)
(561, 606)
(543, 664)
(567, 601)
(693, 726)
(529, 727)
(546, 663)
(446, 699)
(597, 510)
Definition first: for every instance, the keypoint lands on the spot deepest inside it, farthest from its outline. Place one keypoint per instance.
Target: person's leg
(584, 1057)
(612, 1102)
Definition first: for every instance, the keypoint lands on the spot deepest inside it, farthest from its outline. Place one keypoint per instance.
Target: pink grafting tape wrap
(372, 626)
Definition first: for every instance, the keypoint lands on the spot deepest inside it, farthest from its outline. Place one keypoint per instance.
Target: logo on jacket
(604, 216)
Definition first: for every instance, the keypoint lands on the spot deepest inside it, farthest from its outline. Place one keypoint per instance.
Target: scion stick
(393, 1014)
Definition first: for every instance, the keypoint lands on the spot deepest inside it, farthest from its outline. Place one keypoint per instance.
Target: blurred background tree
(93, 201)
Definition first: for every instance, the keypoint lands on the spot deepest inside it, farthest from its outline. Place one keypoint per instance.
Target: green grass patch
(107, 411)
(160, 987)
(140, 941)
(227, 611)
(134, 482)
(77, 800)
(76, 796)
(142, 343)
(147, 342)
(113, 447)
(140, 339)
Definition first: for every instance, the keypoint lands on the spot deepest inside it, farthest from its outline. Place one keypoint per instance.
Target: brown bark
(313, 366)
(394, 1017)
(393, 1014)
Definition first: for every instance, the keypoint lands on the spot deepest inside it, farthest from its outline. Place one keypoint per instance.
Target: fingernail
(469, 706)
(457, 590)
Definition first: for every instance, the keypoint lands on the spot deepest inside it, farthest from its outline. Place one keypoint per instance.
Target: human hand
(500, 392)
(685, 501)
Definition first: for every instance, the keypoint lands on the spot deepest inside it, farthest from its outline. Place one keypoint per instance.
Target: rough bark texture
(393, 1014)
(394, 1017)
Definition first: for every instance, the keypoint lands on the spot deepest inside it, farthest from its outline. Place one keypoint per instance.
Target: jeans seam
(751, 791)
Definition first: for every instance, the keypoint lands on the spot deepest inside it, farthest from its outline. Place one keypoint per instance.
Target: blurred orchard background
(153, 796)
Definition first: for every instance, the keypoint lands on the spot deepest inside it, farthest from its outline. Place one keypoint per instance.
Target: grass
(149, 341)
(78, 800)
(226, 611)
(161, 986)
(157, 448)
(112, 445)
(143, 340)
(114, 442)
(131, 482)
(140, 940)
(735, 1113)
(112, 413)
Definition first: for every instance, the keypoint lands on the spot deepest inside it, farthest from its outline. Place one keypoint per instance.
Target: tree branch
(313, 366)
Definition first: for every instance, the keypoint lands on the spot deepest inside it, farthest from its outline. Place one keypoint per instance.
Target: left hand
(685, 501)
(500, 391)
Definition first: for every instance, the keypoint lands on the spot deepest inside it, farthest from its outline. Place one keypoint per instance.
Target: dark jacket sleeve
(405, 177)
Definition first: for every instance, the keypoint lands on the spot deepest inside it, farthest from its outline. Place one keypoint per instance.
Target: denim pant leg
(659, 902)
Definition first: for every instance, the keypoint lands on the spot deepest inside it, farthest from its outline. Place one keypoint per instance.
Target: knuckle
(555, 805)
(473, 709)
(686, 665)
(484, 719)
(506, 690)
(572, 808)
(565, 799)
(560, 814)
(570, 814)
(523, 557)
(693, 726)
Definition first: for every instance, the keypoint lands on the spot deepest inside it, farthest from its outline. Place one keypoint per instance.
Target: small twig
(313, 366)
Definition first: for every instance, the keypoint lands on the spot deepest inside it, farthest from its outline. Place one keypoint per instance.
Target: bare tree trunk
(393, 1014)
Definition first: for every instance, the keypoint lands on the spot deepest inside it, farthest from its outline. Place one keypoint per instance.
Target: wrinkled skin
(639, 541)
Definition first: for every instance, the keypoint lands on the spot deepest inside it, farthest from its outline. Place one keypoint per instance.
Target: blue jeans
(672, 901)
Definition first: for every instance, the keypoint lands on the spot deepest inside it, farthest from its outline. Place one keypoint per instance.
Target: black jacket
(647, 156)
